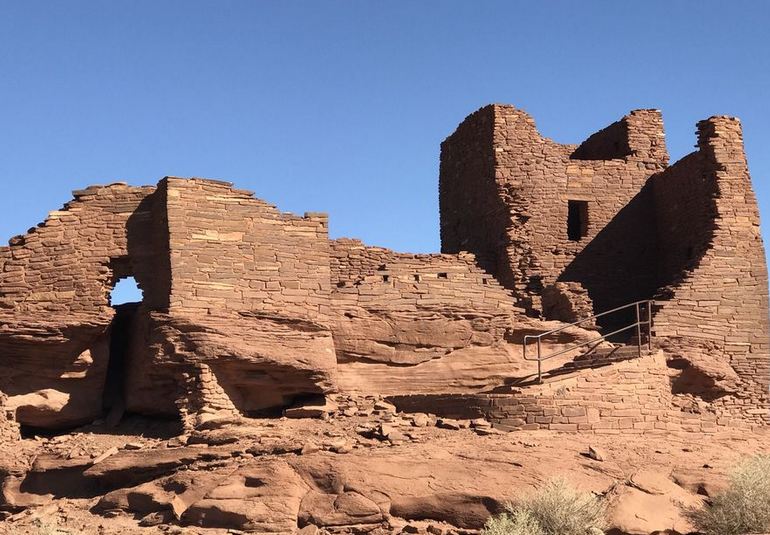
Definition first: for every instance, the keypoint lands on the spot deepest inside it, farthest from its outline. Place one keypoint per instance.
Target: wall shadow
(619, 265)
(147, 233)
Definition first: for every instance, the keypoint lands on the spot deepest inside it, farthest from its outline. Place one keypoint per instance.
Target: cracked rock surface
(361, 467)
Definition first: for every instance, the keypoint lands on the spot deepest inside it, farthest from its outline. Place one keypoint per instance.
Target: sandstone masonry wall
(378, 277)
(55, 312)
(522, 204)
(247, 309)
(381, 280)
(687, 235)
(473, 218)
(9, 429)
(69, 263)
(248, 322)
(711, 257)
(629, 397)
(401, 310)
(232, 252)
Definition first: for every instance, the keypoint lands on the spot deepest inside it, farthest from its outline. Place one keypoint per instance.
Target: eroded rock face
(60, 387)
(399, 338)
(241, 363)
(451, 478)
(652, 502)
(262, 496)
(344, 509)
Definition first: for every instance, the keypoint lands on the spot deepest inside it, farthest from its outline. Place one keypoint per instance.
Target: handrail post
(539, 363)
(638, 330)
(649, 325)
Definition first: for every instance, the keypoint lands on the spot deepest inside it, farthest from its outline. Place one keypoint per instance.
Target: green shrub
(744, 507)
(556, 509)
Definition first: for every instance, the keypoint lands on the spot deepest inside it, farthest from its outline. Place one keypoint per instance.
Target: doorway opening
(125, 298)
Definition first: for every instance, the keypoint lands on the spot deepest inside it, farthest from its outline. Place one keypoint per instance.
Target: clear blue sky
(340, 106)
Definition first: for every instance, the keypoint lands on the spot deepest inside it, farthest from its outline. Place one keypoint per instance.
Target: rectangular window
(577, 220)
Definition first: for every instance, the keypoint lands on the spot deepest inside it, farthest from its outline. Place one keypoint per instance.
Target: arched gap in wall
(126, 290)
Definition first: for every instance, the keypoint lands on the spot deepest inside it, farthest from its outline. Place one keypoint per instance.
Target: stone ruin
(249, 312)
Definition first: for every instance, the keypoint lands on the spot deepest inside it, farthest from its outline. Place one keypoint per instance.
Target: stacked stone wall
(525, 214)
(9, 428)
(69, 263)
(248, 308)
(610, 143)
(568, 302)
(712, 259)
(472, 218)
(203, 400)
(382, 281)
(248, 319)
(400, 316)
(231, 252)
(629, 397)
(688, 235)
(380, 278)
(55, 312)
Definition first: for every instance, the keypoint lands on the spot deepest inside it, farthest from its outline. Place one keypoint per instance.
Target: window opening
(577, 220)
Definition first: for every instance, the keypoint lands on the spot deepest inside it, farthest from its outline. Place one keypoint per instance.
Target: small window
(416, 278)
(443, 275)
(385, 278)
(577, 220)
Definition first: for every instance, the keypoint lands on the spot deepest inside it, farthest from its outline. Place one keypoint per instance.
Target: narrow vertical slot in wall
(125, 298)
(577, 220)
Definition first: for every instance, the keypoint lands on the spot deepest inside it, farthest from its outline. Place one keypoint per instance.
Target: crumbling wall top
(638, 135)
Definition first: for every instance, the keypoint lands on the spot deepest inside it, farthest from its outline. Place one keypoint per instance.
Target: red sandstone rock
(312, 408)
(249, 311)
(263, 497)
(651, 503)
(348, 508)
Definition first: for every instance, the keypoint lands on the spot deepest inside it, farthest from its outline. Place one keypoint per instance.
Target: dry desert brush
(556, 509)
(742, 508)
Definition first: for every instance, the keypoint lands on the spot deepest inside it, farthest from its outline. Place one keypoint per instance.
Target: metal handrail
(638, 324)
